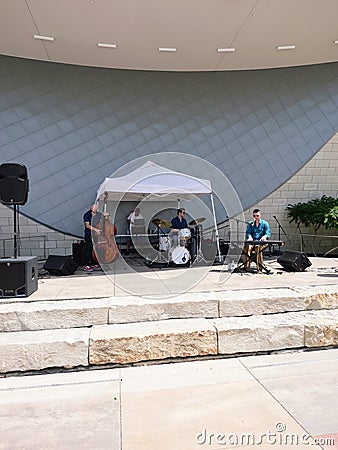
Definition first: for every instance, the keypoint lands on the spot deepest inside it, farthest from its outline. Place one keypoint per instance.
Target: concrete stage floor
(133, 277)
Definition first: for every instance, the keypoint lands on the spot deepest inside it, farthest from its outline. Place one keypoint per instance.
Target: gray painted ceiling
(197, 29)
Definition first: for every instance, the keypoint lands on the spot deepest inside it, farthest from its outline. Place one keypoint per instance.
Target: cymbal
(161, 223)
(197, 221)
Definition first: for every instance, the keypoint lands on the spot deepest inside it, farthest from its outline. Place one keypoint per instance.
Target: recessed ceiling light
(101, 44)
(226, 50)
(167, 49)
(286, 47)
(335, 42)
(43, 38)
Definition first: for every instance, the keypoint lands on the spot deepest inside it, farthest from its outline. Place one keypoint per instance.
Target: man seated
(177, 223)
(257, 230)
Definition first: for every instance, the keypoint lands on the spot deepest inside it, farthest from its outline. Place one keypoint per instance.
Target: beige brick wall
(318, 177)
(35, 239)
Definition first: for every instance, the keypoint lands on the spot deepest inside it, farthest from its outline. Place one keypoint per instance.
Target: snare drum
(184, 234)
(180, 255)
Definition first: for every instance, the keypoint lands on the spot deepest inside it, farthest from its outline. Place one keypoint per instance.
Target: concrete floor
(283, 400)
(137, 279)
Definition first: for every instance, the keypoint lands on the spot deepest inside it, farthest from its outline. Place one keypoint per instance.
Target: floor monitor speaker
(294, 261)
(18, 276)
(13, 184)
(60, 265)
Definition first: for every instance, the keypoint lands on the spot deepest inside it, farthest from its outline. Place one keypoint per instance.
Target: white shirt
(132, 217)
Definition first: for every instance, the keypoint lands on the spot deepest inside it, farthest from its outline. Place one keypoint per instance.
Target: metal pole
(216, 228)
(15, 230)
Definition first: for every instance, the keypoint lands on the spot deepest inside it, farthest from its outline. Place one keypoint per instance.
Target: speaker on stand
(294, 261)
(13, 184)
(14, 187)
(18, 275)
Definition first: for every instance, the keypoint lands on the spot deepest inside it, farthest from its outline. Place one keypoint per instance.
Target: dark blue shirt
(176, 223)
(88, 217)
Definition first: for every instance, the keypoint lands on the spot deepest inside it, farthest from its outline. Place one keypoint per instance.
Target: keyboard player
(257, 230)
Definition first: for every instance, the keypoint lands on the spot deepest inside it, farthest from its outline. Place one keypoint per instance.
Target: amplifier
(18, 276)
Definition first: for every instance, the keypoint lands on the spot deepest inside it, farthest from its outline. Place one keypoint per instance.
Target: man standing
(257, 230)
(91, 220)
(136, 214)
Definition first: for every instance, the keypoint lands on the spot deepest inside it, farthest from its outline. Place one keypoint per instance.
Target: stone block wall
(317, 178)
(34, 240)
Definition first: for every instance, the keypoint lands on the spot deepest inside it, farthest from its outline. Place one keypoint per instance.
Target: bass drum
(180, 255)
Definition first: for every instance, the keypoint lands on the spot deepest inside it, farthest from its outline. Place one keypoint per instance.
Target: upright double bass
(105, 248)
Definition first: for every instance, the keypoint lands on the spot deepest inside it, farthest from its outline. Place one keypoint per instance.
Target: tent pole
(219, 258)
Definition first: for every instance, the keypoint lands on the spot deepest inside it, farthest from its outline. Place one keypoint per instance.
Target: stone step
(36, 350)
(53, 314)
(47, 315)
(158, 340)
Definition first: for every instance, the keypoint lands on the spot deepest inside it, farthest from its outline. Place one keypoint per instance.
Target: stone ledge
(321, 329)
(277, 332)
(260, 301)
(257, 333)
(126, 343)
(135, 309)
(35, 350)
(320, 297)
(63, 313)
(147, 341)
(153, 339)
(53, 315)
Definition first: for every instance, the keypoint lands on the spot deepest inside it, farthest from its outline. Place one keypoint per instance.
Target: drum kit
(175, 246)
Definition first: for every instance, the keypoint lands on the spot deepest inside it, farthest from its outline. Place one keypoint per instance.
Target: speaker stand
(15, 242)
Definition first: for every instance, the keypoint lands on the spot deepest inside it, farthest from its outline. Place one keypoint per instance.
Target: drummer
(177, 224)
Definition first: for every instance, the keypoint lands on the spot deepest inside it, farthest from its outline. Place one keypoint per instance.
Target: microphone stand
(279, 230)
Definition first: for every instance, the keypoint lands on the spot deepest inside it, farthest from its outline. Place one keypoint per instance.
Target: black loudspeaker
(294, 261)
(209, 249)
(78, 252)
(224, 247)
(60, 265)
(13, 184)
(18, 276)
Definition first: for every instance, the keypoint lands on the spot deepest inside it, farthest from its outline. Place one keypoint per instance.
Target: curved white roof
(180, 35)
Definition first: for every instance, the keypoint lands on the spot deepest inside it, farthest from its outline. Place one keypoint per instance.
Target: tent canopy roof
(153, 182)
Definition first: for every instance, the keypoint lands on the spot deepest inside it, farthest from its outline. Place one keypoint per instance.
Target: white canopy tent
(154, 182)
(151, 182)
